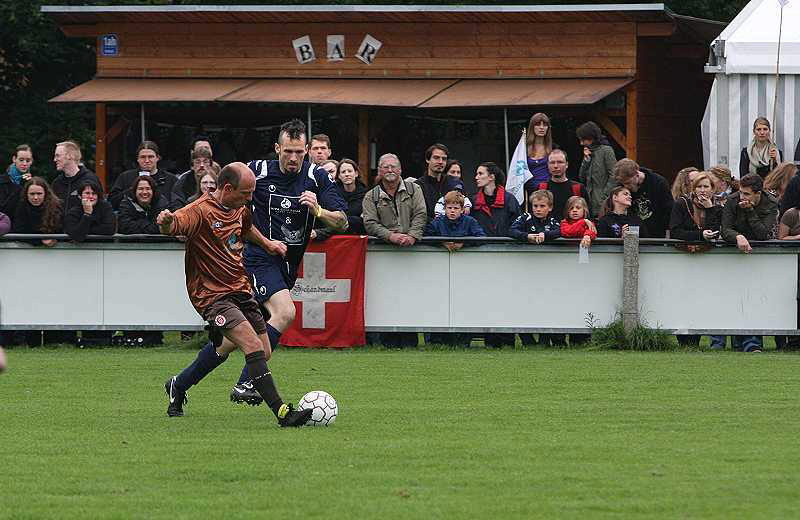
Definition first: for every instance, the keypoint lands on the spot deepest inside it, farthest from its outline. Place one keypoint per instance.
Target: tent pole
(505, 127)
(777, 78)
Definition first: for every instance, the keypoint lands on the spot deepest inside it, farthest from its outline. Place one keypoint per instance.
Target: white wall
(492, 287)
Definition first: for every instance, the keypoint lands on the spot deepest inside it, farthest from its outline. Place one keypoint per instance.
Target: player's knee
(251, 345)
(284, 315)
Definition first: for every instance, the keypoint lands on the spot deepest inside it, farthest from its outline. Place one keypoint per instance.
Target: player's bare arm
(165, 220)
(336, 220)
(273, 247)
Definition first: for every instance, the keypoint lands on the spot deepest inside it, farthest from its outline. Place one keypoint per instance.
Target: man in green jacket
(394, 210)
(749, 214)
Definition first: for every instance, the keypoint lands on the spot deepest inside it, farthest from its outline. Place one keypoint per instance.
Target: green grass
(435, 433)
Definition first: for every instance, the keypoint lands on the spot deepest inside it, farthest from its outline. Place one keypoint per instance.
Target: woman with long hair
(139, 210)
(695, 216)
(724, 183)
(779, 178)
(348, 180)
(615, 219)
(761, 155)
(682, 185)
(454, 168)
(21, 161)
(39, 211)
(539, 142)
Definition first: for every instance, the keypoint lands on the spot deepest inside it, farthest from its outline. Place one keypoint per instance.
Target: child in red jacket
(577, 223)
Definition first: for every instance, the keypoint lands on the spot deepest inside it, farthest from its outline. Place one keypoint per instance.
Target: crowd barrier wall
(493, 287)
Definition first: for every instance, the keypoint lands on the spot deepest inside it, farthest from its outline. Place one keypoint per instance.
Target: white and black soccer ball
(324, 406)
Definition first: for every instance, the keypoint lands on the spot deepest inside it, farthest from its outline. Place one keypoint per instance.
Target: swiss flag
(329, 294)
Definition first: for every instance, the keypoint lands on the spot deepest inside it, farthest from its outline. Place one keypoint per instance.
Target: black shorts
(233, 309)
(270, 275)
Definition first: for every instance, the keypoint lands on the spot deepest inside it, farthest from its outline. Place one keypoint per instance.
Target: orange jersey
(214, 249)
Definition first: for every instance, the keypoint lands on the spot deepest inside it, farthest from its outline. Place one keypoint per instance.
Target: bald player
(216, 226)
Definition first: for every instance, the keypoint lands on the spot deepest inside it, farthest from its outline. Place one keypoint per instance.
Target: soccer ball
(324, 406)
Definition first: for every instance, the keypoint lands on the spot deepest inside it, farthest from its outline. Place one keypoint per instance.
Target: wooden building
(396, 79)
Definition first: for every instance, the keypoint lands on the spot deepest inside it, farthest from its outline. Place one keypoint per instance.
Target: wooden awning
(408, 93)
(139, 90)
(364, 92)
(525, 92)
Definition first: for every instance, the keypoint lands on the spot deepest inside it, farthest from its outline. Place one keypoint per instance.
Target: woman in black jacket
(492, 206)
(137, 214)
(39, 211)
(94, 215)
(617, 217)
(352, 191)
(761, 155)
(695, 217)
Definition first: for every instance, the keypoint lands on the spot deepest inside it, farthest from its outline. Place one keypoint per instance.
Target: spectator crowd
(607, 199)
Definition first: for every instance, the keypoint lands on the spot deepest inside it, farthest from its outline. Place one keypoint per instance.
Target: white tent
(744, 59)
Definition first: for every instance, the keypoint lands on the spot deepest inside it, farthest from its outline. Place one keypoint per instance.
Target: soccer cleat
(289, 417)
(245, 393)
(176, 398)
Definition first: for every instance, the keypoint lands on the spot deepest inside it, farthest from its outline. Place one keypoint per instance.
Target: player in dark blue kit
(290, 195)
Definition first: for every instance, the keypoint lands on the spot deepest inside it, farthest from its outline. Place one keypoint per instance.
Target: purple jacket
(5, 224)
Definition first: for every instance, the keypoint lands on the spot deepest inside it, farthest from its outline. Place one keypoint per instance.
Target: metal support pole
(144, 132)
(630, 280)
(505, 127)
(308, 126)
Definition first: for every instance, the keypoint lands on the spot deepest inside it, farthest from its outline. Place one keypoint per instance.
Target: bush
(642, 337)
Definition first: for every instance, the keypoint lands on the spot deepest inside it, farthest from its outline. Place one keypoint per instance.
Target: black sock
(262, 380)
(274, 335)
(206, 361)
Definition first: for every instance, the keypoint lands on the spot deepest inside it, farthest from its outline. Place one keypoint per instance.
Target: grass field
(421, 434)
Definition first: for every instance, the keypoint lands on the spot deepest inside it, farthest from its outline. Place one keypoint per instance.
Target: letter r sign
(368, 49)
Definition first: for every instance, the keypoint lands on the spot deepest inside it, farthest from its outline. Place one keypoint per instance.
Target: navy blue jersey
(277, 212)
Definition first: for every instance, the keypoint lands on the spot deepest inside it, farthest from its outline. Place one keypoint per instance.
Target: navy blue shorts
(269, 275)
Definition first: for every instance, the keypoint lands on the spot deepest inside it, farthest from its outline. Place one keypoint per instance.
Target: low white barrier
(493, 287)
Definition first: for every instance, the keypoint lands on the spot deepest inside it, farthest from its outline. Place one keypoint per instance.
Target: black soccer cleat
(245, 393)
(176, 398)
(288, 417)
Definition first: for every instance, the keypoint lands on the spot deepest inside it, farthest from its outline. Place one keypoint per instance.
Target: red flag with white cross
(329, 294)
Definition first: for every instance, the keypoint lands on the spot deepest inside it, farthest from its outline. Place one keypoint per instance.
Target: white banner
(518, 172)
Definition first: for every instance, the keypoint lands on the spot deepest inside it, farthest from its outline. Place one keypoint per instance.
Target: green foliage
(642, 337)
(447, 434)
(37, 62)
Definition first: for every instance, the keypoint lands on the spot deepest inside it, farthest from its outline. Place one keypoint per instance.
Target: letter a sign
(329, 295)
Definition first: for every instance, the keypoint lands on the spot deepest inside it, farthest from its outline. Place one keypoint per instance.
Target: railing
(136, 282)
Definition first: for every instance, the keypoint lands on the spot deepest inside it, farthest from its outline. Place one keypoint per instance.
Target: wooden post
(631, 115)
(100, 142)
(363, 144)
(630, 280)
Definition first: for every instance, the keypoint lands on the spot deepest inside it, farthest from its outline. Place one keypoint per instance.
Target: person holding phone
(696, 217)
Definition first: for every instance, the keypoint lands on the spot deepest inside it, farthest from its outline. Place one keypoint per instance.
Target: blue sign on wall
(109, 45)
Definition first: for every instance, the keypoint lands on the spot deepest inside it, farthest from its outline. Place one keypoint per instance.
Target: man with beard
(290, 195)
(431, 182)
